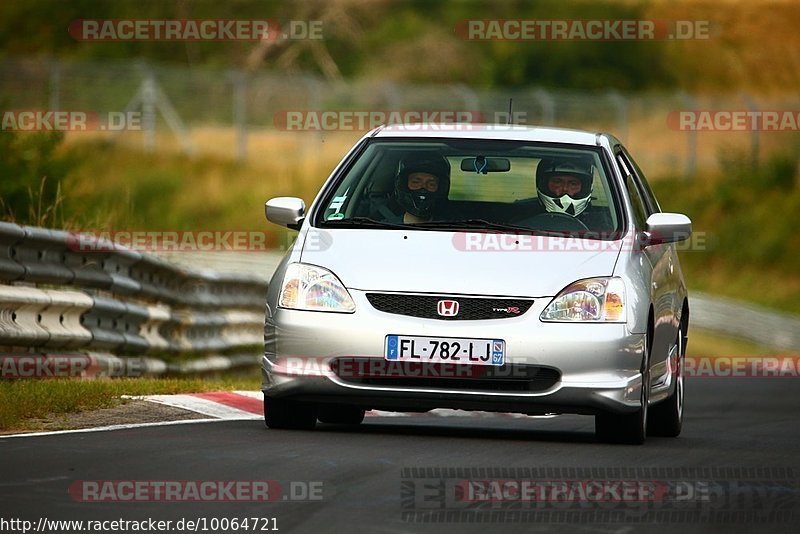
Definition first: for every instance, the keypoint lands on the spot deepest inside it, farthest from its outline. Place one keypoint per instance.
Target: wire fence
(175, 103)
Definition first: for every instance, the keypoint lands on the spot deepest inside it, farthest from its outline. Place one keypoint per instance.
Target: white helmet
(571, 205)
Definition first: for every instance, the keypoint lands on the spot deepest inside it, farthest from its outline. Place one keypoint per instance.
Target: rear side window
(641, 183)
(639, 209)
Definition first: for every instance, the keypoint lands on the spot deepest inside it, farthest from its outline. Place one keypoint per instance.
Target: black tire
(340, 415)
(282, 413)
(630, 428)
(666, 417)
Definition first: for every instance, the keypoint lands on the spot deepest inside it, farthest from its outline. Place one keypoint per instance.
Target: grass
(117, 186)
(24, 401)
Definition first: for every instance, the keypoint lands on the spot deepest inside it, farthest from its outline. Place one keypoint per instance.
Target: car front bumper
(599, 365)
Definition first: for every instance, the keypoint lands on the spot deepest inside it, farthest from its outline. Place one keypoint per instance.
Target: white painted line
(254, 394)
(203, 406)
(111, 427)
(381, 413)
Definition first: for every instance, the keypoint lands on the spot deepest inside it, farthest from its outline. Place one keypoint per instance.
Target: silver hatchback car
(496, 268)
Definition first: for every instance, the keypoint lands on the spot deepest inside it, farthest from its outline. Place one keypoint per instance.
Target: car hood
(476, 263)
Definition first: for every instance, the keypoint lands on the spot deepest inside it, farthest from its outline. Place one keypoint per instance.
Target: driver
(419, 186)
(564, 186)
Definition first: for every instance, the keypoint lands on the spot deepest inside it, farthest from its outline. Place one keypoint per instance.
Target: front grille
(470, 308)
(509, 377)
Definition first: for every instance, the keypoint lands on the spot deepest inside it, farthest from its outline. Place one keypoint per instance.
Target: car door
(664, 285)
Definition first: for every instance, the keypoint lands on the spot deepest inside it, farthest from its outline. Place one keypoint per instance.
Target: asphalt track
(741, 437)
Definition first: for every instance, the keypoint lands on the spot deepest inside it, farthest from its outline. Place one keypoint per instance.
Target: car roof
(495, 131)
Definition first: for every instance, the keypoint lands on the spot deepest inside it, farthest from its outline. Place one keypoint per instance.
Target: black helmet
(569, 204)
(420, 202)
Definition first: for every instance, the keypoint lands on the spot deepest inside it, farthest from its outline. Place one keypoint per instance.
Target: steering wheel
(555, 221)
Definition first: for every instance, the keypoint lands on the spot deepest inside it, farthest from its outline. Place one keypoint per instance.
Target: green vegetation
(94, 185)
(704, 344)
(32, 175)
(412, 41)
(746, 217)
(23, 401)
(116, 187)
(748, 47)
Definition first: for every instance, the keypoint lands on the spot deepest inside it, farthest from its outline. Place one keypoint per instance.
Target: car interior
(506, 195)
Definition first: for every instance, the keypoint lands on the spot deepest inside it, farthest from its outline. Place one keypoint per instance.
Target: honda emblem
(447, 308)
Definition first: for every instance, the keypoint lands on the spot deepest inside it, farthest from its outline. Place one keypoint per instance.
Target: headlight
(312, 288)
(594, 300)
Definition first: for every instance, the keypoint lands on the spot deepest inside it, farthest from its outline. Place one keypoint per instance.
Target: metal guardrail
(745, 321)
(120, 311)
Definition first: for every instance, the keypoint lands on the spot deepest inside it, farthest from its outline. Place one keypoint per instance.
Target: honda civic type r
(496, 268)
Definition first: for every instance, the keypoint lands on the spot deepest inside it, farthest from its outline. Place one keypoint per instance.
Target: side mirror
(286, 211)
(667, 228)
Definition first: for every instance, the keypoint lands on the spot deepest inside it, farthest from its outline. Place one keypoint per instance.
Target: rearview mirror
(667, 228)
(482, 165)
(286, 211)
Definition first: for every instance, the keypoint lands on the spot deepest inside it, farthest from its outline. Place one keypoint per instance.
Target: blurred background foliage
(32, 172)
(746, 219)
(755, 43)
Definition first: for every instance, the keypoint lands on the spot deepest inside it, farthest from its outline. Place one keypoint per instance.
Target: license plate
(466, 351)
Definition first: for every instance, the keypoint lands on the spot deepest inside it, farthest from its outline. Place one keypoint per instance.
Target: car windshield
(452, 185)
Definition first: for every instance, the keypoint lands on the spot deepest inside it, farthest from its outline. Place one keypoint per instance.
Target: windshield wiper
(456, 225)
(476, 224)
(362, 222)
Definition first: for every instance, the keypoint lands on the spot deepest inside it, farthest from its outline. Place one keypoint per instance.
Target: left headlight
(313, 288)
(593, 300)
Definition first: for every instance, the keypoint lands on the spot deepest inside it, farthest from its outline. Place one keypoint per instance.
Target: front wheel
(282, 413)
(666, 417)
(629, 428)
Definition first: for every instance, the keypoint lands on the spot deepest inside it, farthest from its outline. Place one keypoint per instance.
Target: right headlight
(313, 288)
(593, 300)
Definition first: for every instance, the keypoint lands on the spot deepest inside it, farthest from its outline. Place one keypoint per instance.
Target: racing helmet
(420, 202)
(574, 204)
